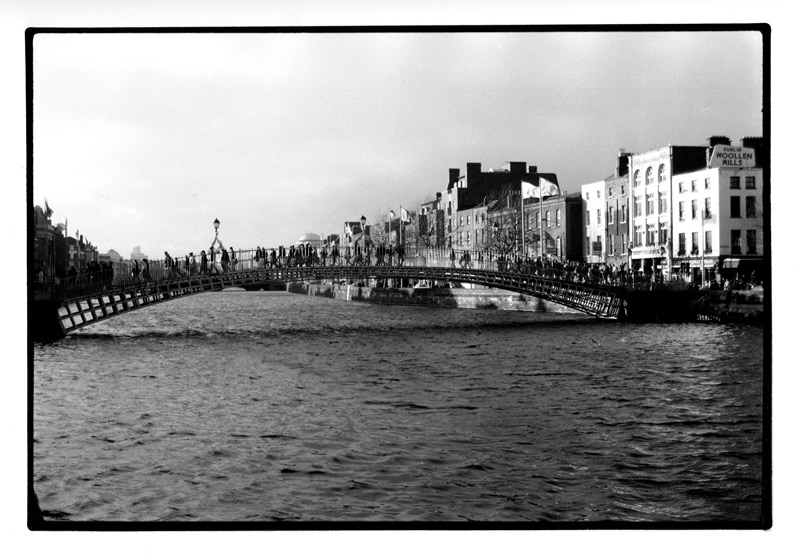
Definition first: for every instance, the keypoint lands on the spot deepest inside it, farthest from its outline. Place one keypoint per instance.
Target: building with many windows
(650, 203)
(718, 220)
(606, 217)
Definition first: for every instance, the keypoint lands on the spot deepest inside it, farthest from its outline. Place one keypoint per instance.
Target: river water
(267, 406)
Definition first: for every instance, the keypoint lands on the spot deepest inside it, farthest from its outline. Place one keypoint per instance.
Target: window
(547, 219)
(588, 196)
(588, 218)
(661, 174)
(651, 203)
(681, 244)
(750, 206)
(623, 242)
(694, 186)
(707, 183)
(681, 210)
(558, 217)
(598, 193)
(662, 202)
(610, 219)
(707, 208)
(736, 242)
(651, 234)
(736, 210)
(648, 178)
(735, 183)
(611, 248)
(468, 242)
(610, 191)
(680, 187)
(638, 235)
(460, 238)
(694, 209)
(599, 218)
(461, 220)
(708, 246)
(695, 248)
(622, 188)
(749, 182)
(588, 246)
(538, 225)
(663, 233)
(468, 219)
(623, 214)
(637, 206)
(637, 179)
(751, 241)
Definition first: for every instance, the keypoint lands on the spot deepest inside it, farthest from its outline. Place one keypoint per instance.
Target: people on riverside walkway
(452, 258)
(203, 263)
(192, 265)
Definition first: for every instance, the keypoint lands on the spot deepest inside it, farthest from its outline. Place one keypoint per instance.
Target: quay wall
(741, 306)
(477, 298)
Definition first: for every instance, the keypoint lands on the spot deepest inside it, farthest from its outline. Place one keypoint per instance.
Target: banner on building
(732, 156)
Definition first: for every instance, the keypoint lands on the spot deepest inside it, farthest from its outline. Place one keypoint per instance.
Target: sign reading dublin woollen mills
(732, 156)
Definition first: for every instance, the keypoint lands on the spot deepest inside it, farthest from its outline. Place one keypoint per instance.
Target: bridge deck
(80, 307)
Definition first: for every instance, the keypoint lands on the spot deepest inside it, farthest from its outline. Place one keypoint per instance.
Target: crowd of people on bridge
(221, 260)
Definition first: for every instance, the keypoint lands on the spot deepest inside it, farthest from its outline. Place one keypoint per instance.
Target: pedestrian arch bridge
(81, 306)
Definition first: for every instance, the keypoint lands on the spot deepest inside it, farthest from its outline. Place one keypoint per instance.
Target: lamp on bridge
(216, 225)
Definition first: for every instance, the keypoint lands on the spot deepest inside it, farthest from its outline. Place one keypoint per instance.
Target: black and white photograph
(302, 278)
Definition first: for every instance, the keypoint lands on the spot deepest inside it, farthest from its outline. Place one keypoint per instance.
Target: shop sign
(732, 156)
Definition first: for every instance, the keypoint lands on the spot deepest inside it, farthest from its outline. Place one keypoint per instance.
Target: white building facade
(595, 216)
(719, 222)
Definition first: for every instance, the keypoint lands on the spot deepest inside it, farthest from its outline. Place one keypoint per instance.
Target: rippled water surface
(260, 406)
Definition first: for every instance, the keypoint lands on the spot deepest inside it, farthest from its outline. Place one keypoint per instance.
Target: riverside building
(606, 217)
(497, 210)
(650, 203)
(718, 219)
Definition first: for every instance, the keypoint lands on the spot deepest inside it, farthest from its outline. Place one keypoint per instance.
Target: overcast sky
(145, 139)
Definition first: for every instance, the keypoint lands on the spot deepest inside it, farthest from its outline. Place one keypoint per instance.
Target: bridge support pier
(43, 321)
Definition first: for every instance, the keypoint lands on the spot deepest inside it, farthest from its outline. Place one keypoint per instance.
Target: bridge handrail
(97, 282)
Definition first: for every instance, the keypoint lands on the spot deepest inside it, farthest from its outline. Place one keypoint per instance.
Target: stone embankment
(477, 298)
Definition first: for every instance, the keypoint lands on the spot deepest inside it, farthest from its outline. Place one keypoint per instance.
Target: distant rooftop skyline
(144, 139)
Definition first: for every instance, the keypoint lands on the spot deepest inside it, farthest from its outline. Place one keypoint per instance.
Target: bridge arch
(75, 308)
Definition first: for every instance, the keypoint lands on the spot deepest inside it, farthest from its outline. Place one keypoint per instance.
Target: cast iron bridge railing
(83, 305)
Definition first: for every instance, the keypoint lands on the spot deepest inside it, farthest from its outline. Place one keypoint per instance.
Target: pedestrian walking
(226, 261)
(233, 260)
